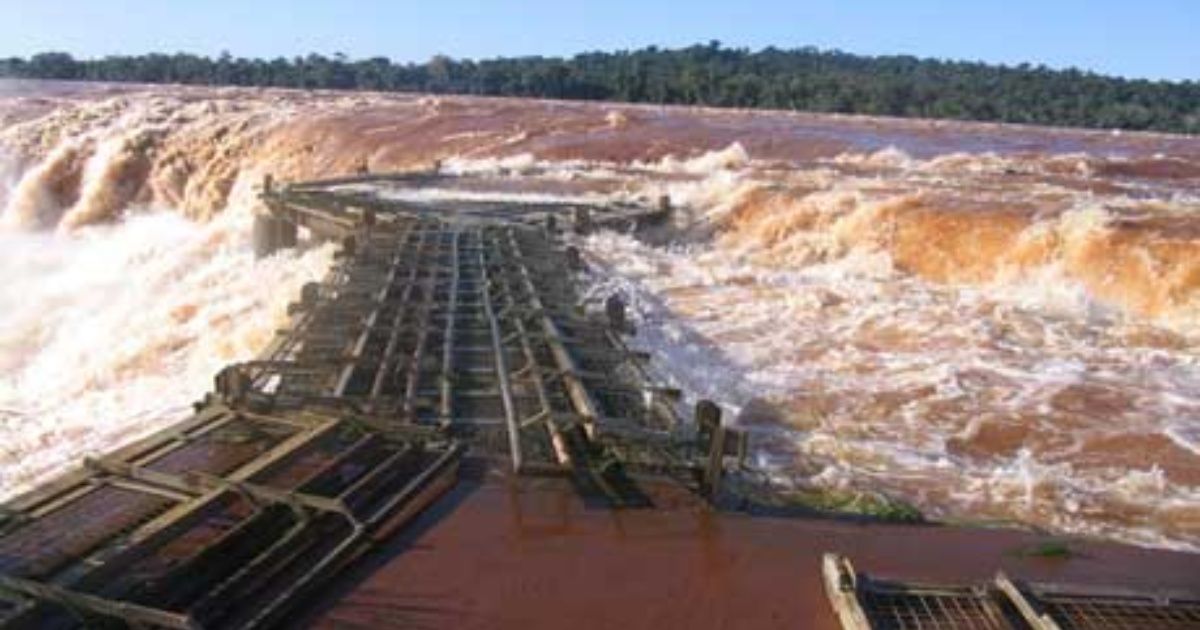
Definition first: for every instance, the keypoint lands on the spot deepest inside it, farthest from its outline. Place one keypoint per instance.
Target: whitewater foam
(109, 333)
(992, 336)
(963, 399)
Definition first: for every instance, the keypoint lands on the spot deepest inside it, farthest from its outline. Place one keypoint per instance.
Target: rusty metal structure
(863, 602)
(443, 332)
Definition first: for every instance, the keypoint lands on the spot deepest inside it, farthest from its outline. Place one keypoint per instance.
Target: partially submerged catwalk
(446, 333)
(437, 334)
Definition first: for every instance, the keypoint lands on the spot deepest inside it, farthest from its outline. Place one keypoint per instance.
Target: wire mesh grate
(949, 610)
(1112, 613)
(866, 603)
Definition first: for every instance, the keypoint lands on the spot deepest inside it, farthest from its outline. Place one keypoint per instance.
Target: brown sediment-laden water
(991, 322)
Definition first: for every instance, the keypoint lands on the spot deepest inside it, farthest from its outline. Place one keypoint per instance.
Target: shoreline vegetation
(804, 79)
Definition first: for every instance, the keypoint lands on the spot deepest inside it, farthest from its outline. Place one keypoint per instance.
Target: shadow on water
(427, 612)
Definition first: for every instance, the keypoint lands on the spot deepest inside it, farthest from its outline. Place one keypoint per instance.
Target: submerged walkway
(447, 352)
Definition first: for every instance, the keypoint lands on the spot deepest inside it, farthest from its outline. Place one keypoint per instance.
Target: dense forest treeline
(803, 79)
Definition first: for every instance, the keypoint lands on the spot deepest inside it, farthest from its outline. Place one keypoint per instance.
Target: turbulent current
(110, 332)
(993, 323)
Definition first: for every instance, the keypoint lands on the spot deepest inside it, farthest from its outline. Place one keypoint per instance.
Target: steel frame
(435, 334)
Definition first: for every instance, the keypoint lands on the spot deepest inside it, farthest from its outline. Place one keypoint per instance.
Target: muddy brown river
(994, 323)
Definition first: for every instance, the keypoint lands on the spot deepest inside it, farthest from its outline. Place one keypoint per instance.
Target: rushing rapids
(995, 323)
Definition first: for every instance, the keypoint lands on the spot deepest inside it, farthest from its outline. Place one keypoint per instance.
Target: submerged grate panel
(866, 603)
(917, 609)
(1097, 612)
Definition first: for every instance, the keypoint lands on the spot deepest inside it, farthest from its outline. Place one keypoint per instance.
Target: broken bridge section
(441, 333)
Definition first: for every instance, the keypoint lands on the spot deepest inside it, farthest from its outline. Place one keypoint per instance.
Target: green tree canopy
(709, 74)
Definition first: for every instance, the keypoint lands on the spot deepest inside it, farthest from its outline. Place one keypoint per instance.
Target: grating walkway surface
(863, 602)
(436, 336)
(1081, 609)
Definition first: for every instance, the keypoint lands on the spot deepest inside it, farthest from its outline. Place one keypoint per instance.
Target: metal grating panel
(134, 540)
(1074, 607)
(1082, 613)
(864, 603)
(928, 609)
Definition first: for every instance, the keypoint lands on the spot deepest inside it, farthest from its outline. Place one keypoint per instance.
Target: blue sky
(1143, 38)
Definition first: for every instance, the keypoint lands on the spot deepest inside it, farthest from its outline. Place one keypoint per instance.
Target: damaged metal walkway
(440, 333)
(444, 332)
